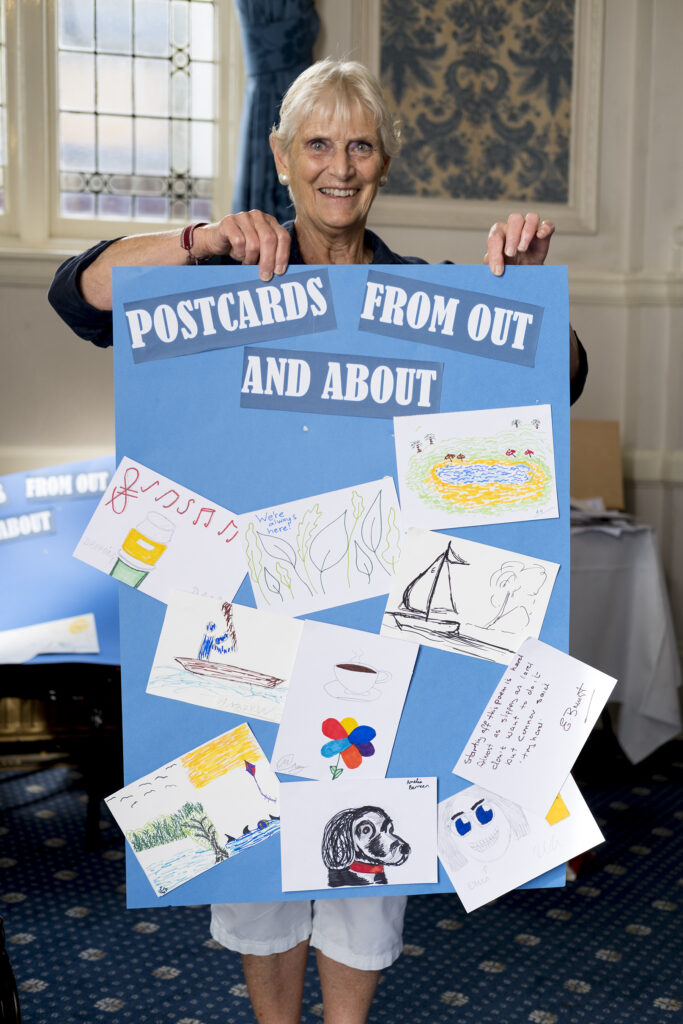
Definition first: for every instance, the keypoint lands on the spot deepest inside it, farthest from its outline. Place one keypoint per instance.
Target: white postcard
(225, 656)
(323, 551)
(157, 536)
(474, 468)
(344, 705)
(367, 833)
(76, 634)
(489, 845)
(200, 809)
(534, 726)
(466, 597)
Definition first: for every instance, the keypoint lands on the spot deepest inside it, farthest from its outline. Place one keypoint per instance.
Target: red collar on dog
(369, 869)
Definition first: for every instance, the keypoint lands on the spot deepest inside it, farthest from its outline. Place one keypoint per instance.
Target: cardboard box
(596, 470)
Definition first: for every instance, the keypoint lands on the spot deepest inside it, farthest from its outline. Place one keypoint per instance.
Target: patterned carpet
(605, 950)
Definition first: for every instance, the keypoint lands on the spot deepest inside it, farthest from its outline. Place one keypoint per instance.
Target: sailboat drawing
(428, 604)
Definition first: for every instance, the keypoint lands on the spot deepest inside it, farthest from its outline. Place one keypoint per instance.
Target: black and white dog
(357, 845)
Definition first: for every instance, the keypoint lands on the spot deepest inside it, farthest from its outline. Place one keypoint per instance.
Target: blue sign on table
(43, 513)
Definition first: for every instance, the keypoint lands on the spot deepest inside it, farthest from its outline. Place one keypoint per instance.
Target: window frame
(34, 236)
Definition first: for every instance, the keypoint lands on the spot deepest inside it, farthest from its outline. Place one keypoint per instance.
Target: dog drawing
(358, 843)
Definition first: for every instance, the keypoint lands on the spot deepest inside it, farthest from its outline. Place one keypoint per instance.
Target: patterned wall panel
(483, 92)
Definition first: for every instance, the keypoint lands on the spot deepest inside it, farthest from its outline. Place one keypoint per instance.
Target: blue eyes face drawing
(482, 814)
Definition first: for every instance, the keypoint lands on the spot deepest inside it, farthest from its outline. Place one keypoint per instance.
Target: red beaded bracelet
(187, 236)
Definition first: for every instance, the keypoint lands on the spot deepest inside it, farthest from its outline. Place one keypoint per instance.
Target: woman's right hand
(251, 237)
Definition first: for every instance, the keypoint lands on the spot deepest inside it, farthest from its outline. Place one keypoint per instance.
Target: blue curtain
(277, 37)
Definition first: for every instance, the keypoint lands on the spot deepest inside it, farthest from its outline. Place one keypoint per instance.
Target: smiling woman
(333, 148)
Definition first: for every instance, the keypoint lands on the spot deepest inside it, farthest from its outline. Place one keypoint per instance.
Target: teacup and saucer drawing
(355, 681)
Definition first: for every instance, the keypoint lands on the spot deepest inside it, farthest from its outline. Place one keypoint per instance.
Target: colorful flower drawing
(349, 741)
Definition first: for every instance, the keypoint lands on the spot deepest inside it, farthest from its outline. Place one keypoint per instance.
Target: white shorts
(363, 932)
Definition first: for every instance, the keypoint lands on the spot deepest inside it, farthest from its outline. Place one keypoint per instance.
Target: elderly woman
(333, 150)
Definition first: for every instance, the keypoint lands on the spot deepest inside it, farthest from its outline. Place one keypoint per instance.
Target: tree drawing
(203, 830)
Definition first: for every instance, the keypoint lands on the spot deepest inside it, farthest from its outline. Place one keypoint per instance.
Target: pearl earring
(383, 180)
(283, 178)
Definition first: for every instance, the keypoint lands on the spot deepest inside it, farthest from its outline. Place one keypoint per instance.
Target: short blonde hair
(344, 84)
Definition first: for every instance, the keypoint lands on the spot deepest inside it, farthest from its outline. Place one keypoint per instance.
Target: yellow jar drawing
(142, 548)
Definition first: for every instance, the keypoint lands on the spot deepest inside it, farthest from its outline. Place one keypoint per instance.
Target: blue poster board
(179, 412)
(43, 513)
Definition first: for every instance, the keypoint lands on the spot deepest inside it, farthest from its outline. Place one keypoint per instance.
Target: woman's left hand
(520, 241)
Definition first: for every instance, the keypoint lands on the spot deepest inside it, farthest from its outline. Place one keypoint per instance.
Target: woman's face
(334, 165)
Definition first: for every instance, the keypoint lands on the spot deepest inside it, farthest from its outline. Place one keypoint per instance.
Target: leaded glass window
(137, 108)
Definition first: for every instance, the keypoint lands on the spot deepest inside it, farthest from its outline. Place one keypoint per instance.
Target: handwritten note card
(534, 726)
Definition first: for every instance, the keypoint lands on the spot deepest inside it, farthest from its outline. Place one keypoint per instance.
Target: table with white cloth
(621, 623)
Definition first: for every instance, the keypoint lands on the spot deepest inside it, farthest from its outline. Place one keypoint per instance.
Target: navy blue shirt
(95, 325)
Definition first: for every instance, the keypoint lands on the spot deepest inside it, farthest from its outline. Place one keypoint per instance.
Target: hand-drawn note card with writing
(474, 468)
(324, 551)
(373, 832)
(534, 726)
(489, 845)
(465, 597)
(342, 712)
(200, 809)
(225, 656)
(158, 536)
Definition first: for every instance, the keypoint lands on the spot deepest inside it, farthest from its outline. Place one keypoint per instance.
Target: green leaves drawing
(371, 528)
(363, 561)
(391, 552)
(254, 558)
(329, 546)
(272, 584)
(306, 528)
(356, 535)
(278, 548)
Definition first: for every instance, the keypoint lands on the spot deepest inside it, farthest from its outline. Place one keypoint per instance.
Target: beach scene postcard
(475, 468)
(200, 809)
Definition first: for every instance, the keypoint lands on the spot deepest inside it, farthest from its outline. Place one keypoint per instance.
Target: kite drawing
(200, 809)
